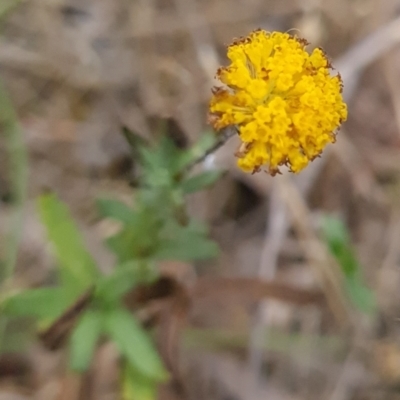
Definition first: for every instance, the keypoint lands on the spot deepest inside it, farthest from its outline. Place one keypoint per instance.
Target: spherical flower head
(284, 101)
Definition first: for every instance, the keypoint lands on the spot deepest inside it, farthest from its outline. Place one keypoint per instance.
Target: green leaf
(159, 161)
(137, 239)
(84, 339)
(187, 249)
(115, 209)
(77, 268)
(121, 245)
(360, 295)
(137, 386)
(47, 303)
(164, 163)
(186, 244)
(200, 181)
(134, 139)
(334, 230)
(338, 241)
(168, 153)
(123, 279)
(135, 344)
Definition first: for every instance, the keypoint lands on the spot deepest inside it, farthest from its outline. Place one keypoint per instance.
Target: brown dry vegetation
(77, 70)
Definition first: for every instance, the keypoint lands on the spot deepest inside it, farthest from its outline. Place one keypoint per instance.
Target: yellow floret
(283, 100)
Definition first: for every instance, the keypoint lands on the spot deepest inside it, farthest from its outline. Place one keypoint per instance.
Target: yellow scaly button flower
(283, 100)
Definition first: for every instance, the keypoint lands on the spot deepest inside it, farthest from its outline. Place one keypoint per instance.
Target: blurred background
(76, 71)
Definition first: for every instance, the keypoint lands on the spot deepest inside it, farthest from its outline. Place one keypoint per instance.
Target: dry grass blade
(252, 290)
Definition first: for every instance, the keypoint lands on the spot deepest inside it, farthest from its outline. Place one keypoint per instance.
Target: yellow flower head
(283, 100)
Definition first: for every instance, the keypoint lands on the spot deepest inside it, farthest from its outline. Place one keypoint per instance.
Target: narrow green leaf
(111, 288)
(123, 279)
(137, 386)
(186, 244)
(45, 303)
(168, 153)
(361, 296)
(338, 241)
(135, 344)
(121, 245)
(84, 340)
(137, 239)
(115, 209)
(134, 139)
(200, 181)
(334, 230)
(157, 165)
(189, 249)
(78, 269)
(162, 155)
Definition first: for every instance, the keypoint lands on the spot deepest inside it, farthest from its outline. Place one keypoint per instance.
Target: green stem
(223, 136)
